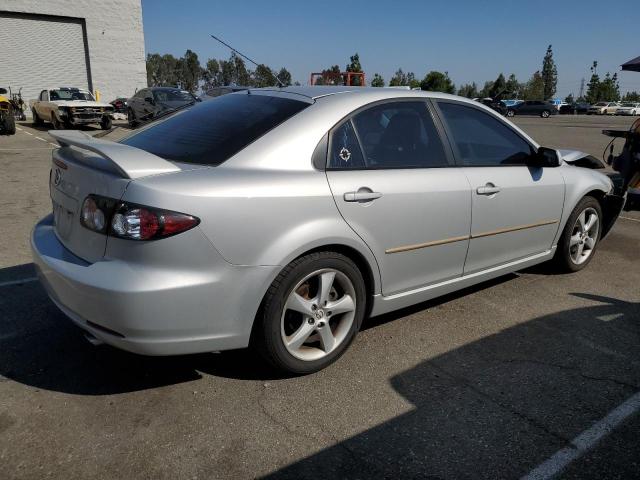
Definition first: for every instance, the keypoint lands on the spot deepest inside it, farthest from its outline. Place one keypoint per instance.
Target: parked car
(628, 108)
(574, 108)
(119, 105)
(497, 105)
(532, 107)
(279, 218)
(603, 108)
(512, 102)
(69, 107)
(149, 103)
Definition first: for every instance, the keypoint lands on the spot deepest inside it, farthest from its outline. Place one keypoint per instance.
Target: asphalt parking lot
(519, 376)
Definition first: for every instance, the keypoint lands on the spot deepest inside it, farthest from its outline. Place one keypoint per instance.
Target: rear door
(394, 182)
(516, 209)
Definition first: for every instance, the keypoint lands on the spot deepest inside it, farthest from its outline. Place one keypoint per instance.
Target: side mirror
(149, 100)
(545, 157)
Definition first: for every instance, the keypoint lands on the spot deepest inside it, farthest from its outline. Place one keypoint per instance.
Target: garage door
(41, 51)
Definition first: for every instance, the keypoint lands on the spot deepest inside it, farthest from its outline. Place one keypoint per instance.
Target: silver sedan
(282, 218)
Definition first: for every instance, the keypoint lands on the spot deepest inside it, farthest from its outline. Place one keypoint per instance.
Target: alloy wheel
(318, 314)
(584, 236)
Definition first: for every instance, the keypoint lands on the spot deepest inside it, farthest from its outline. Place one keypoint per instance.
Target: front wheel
(545, 114)
(9, 124)
(57, 124)
(510, 113)
(37, 121)
(580, 236)
(131, 118)
(311, 313)
(106, 123)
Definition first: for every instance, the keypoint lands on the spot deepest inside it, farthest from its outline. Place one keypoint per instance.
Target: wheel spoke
(593, 219)
(590, 243)
(342, 305)
(301, 335)
(325, 282)
(575, 240)
(579, 251)
(326, 338)
(581, 221)
(299, 304)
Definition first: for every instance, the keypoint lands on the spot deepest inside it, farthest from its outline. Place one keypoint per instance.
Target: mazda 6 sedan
(281, 218)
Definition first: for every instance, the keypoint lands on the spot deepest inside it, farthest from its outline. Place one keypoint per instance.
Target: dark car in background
(574, 108)
(533, 107)
(152, 102)
(494, 104)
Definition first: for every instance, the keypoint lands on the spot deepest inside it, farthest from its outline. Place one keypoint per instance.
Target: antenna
(280, 84)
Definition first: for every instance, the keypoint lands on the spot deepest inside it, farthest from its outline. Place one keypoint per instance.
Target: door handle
(488, 189)
(362, 195)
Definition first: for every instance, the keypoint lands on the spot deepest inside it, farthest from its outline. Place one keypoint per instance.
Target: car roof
(365, 94)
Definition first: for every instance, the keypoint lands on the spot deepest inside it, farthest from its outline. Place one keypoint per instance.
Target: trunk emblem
(57, 177)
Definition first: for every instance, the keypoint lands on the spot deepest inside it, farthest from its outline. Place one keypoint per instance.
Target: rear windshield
(211, 132)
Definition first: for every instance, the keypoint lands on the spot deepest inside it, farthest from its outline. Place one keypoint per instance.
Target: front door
(394, 184)
(516, 209)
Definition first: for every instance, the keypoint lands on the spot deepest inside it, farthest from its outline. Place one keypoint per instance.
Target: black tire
(57, 124)
(37, 121)
(131, 118)
(562, 258)
(10, 124)
(106, 123)
(267, 338)
(545, 114)
(510, 113)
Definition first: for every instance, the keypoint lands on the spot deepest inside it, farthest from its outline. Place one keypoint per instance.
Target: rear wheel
(131, 118)
(311, 313)
(545, 114)
(510, 113)
(580, 236)
(37, 121)
(9, 124)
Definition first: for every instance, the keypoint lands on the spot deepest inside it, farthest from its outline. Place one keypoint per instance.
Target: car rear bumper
(155, 309)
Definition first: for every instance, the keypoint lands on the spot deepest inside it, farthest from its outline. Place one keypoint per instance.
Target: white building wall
(115, 39)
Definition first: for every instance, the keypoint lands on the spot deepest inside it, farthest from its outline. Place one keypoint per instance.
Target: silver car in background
(281, 218)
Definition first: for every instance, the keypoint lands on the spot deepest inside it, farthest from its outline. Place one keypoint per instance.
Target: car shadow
(500, 406)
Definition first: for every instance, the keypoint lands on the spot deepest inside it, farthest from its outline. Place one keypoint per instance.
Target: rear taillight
(131, 221)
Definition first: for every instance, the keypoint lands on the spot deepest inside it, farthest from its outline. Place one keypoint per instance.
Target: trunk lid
(86, 165)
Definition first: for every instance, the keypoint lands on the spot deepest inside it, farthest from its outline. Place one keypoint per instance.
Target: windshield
(70, 94)
(173, 96)
(211, 132)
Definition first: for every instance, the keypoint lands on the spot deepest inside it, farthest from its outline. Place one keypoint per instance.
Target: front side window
(211, 132)
(482, 140)
(392, 135)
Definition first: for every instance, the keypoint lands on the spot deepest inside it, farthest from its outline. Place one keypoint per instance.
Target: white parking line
(28, 133)
(18, 282)
(585, 441)
(42, 139)
(632, 219)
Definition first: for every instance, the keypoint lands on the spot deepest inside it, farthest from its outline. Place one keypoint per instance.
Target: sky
(472, 40)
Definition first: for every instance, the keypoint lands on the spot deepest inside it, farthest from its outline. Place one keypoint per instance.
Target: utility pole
(581, 87)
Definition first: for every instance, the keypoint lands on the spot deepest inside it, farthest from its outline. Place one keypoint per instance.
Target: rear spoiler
(131, 162)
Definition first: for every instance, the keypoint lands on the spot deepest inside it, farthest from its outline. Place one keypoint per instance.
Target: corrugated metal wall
(37, 52)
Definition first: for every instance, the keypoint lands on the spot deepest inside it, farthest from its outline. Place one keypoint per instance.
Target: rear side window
(211, 132)
(482, 140)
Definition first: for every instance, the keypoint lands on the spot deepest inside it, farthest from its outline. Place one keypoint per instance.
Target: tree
(569, 98)
(284, 76)
(486, 89)
(354, 66)
(513, 87)
(377, 81)
(401, 79)
(211, 74)
(437, 82)
(242, 75)
(163, 70)
(191, 71)
(534, 90)
(549, 75)
(631, 97)
(498, 87)
(593, 87)
(469, 90)
(609, 88)
(263, 77)
(330, 76)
